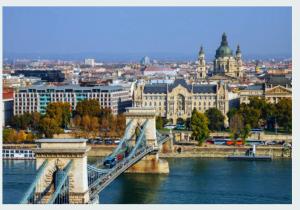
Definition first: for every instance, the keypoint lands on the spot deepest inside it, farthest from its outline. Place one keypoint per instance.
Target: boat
(251, 156)
(18, 154)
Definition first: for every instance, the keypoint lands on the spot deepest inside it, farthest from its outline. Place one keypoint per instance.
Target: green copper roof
(224, 49)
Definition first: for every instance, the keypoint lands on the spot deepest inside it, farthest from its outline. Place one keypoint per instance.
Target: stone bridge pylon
(150, 163)
(59, 153)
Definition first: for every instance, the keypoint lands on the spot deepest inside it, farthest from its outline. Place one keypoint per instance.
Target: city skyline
(161, 33)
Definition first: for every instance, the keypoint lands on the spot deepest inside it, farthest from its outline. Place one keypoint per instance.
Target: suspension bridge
(63, 175)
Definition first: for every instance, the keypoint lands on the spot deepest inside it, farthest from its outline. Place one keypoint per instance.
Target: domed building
(225, 62)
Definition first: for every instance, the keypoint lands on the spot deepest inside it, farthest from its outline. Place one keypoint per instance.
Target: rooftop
(164, 88)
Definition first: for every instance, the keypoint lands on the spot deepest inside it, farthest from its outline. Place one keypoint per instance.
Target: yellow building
(177, 100)
(275, 88)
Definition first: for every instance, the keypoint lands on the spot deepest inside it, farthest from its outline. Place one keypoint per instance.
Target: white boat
(18, 154)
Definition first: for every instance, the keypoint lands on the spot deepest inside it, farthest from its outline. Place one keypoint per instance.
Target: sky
(160, 32)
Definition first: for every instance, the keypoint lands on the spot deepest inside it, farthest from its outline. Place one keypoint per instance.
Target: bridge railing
(30, 195)
(98, 185)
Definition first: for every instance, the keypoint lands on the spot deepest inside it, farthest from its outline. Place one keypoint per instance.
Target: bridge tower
(150, 163)
(59, 153)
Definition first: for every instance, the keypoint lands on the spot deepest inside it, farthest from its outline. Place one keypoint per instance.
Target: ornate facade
(177, 101)
(271, 94)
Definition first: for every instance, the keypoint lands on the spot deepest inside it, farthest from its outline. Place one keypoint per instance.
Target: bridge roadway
(104, 177)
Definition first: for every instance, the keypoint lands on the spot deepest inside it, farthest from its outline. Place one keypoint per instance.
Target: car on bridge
(110, 162)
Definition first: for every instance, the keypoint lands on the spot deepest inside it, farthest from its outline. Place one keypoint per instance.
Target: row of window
(172, 97)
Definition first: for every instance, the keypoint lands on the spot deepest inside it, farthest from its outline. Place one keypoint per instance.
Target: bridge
(63, 175)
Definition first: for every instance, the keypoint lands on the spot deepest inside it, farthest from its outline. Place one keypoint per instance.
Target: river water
(191, 181)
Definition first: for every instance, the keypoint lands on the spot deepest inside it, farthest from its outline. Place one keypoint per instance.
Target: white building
(36, 98)
(90, 62)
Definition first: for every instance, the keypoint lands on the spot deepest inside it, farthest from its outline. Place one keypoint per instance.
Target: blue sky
(167, 31)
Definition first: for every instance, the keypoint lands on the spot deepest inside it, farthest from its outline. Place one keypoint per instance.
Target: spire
(238, 50)
(201, 52)
(224, 40)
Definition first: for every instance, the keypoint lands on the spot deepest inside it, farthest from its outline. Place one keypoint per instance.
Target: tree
(76, 121)
(89, 107)
(216, 119)
(245, 132)
(236, 125)
(250, 115)
(159, 123)
(9, 135)
(60, 112)
(35, 120)
(85, 122)
(120, 124)
(199, 125)
(284, 114)
(21, 121)
(49, 127)
(94, 126)
(231, 113)
(21, 136)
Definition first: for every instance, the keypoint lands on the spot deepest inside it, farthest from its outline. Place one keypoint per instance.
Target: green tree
(236, 125)
(199, 125)
(284, 114)
(250, 115)
(231, 113)
(216, 119)
(21, 121)
(245, 132)
(89, 107)
(159, 123)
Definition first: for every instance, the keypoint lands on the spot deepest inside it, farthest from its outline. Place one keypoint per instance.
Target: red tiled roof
(8, 93)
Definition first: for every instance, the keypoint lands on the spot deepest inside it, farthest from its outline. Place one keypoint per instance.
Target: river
(191, 181)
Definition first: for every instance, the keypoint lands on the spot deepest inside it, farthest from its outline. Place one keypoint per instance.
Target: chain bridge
(63, 175)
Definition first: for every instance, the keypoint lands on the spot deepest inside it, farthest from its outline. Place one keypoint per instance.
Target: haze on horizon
(132, 32)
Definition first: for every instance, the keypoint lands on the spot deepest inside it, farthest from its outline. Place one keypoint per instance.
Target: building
(159, 70)
(7, 105)
(274, 89)
(47, 75)
(36, 98)
(177, 100)
(225, 62)
(201, 69)
(145, 61)
(89, 62)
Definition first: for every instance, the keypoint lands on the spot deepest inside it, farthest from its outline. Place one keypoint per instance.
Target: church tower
(239, 62)
(201, 70)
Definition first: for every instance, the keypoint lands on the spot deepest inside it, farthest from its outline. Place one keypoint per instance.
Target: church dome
(223, 50)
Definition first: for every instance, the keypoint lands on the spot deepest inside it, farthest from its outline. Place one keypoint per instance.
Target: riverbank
(203, 151)
(188, 151)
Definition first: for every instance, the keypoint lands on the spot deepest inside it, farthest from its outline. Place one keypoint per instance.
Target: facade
(177, 101)
(225, 62)
(7, 105)
(36, 98)
(271, 93)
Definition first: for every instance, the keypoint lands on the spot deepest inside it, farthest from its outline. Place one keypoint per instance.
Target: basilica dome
(223, 50)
